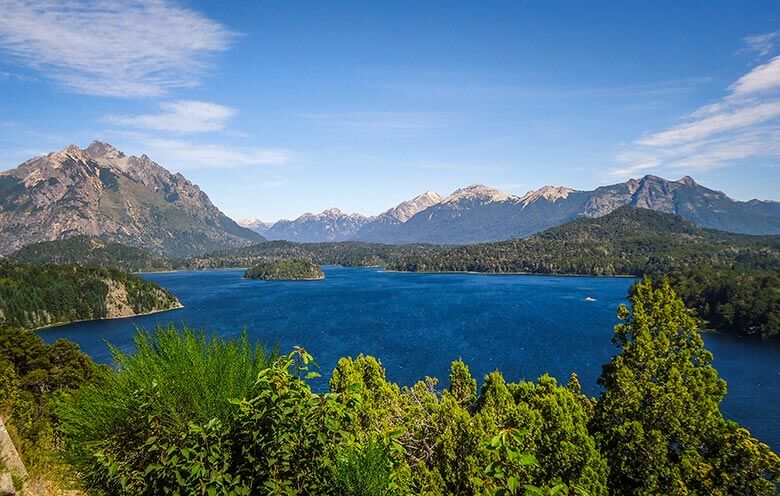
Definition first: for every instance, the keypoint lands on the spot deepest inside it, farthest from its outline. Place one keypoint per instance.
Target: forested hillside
(40, 295)
(730, 279)
(350, 254)
(87, 250)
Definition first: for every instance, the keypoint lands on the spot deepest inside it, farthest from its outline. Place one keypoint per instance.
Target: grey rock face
(101, 192)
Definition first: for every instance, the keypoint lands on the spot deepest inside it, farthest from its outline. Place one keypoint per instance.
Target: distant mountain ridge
(255, 224)
(478, 213)
(329, 225)
(627, 241)
(101, 192)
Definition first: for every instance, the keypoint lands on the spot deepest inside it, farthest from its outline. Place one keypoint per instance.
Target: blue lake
(417, 324)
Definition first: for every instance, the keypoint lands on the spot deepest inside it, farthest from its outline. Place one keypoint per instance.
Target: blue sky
(277, 108)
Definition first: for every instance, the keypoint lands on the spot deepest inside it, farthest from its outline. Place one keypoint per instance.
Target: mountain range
(478, 213)
(101, 192)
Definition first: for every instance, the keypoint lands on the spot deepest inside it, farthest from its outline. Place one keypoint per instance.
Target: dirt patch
(116, 300)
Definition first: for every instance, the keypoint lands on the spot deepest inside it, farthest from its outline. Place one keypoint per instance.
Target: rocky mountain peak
(407, 209)
(99, 149)
(687, 180)
(332, 212)
(100, 192)
(480, 193)
(69, 152)
(549, 193)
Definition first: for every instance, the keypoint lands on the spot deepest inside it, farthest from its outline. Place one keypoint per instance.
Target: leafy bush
(363, 471)
(175, 380)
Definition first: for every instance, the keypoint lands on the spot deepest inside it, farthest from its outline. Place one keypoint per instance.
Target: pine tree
(658, 422)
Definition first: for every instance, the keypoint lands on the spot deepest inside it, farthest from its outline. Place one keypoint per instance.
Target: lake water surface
(417, 324)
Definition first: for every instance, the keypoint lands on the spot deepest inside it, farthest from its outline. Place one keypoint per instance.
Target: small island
(285, 270)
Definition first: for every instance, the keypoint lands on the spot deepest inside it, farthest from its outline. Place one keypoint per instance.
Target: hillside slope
(86, 250)
(42, 295)
(628, 241)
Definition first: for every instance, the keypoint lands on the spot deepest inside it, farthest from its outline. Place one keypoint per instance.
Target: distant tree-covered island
(285, 270)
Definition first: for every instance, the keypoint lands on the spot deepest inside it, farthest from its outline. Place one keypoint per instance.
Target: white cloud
(762, 78)
(134, 48)
(717, 123)
(183, 155)
(744, 124)
(181, 116)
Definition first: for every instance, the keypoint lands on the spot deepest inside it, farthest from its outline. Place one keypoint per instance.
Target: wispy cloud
(16, 76)
(384, 120)
(183, 154)
(762, 44)
(744, 124)
(134, 48)
(726, 120)
(181, 116)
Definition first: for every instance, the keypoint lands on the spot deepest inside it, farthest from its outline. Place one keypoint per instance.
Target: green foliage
(658, 422)
(508, 460)
(162, 399)
(87, 250)
(745, 301)
(285, 270)
(289, 435)
(363, 471)
(40, 295)
(33, 375)
(445, 436)
(348, 254)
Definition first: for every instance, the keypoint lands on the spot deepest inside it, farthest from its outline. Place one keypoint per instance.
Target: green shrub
(363, 471)
(175, 382)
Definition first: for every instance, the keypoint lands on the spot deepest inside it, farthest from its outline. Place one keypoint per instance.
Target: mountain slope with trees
(42, 295)
(730, 279)
(87, 250)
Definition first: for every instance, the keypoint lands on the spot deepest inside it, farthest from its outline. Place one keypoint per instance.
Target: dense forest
(87, 250)
(731, 280)
(348, 254)
(192, 414)
(40, 295)
(285, 270)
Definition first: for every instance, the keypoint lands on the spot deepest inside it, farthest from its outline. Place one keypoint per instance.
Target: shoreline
(60, 324)
(469, 272)
(475, 273)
